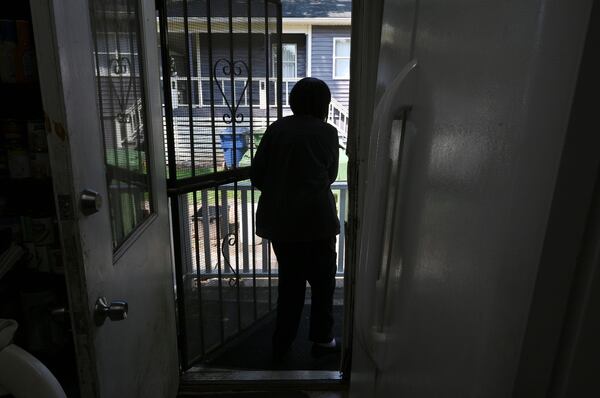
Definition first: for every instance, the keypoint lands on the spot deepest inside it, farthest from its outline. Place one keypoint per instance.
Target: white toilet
(21, 374)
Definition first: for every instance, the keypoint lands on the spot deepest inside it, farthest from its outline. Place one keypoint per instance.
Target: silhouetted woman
(294, 167)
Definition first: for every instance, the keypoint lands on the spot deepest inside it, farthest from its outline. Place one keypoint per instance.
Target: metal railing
(248, 260)
(228, 273)
(338, 116)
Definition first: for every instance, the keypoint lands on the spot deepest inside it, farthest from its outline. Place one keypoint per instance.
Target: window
(341, 58)
(289, 63)
(120, 94)
(289, 60)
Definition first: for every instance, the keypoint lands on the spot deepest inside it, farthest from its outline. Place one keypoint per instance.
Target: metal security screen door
(222, 88)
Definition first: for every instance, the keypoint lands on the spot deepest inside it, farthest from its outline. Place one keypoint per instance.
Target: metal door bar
(207, 203)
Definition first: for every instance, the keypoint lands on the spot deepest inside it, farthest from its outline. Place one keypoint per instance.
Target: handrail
(338, 117)
(372, 266)
(244, 187)
(186, 185)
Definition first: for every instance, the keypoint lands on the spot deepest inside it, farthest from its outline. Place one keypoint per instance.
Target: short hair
(310, 97)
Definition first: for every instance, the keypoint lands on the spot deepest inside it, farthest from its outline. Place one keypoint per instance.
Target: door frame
(364, 62)
(558, 305)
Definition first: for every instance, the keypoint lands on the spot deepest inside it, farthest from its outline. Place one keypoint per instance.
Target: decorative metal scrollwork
(232, 70)
(120, 66)
(230, 240)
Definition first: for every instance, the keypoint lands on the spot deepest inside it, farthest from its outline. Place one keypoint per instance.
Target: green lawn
(183, 173)
(119, 158)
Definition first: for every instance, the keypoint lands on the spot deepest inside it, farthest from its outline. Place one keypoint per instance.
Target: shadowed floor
(254, 350)
(273, 394)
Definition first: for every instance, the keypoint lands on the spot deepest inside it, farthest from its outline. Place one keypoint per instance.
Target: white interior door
(99, 71)
(455, 217)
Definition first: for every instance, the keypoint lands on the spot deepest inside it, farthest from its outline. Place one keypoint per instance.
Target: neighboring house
(315, 42)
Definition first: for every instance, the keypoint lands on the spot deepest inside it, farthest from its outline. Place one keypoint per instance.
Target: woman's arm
(335, 154)
(259, 163)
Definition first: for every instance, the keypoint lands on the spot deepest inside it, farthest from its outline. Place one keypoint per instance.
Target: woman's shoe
(321, 349)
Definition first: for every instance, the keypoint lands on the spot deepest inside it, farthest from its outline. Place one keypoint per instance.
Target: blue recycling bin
(239, 147)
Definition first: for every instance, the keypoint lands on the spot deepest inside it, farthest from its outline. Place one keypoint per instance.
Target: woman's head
(310, 97)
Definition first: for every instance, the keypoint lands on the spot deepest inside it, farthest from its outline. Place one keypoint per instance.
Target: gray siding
(221, 48)
(322, 59)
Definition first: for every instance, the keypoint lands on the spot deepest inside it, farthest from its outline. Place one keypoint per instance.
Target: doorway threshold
(204, 379)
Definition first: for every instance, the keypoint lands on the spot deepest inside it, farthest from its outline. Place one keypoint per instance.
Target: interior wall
(493, 92)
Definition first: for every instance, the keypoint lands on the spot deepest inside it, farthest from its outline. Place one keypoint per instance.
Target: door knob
(116, 310)
(91, 201)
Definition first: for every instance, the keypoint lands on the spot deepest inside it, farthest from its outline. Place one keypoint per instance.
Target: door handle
(397, 100)
(116, 310)
(90, 201)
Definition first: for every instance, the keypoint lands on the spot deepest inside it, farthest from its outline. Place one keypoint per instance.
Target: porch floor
(252, 351)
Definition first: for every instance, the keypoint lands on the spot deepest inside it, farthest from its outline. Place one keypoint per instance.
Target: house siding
(221, 51)
(322, 59)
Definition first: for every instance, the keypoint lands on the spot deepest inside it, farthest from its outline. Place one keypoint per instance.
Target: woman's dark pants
(299, 262)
